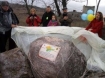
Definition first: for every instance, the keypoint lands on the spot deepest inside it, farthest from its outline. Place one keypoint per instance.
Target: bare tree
(32, 1)
(64, 3)
(27, 7)
(57, 7)
(98, 5)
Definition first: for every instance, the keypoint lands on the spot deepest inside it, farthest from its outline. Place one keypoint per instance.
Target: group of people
(9, 20)
(48, 18)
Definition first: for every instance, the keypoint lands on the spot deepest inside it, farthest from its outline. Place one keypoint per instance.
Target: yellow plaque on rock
(49, 52)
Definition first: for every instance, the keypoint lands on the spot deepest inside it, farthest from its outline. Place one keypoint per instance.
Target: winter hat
(4, 3)
(64, 8)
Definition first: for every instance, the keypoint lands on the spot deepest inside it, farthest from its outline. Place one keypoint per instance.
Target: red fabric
(35, 22)
(96, 27)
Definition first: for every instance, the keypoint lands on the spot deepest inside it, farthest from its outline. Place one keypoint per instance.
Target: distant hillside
(21, 12)
(23, 8)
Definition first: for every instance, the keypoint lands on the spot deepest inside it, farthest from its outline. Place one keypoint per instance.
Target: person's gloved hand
(65, 17)
(31, 17)
(82, 38)
(13, 25)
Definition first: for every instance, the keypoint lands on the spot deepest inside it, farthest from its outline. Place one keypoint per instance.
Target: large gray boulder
(14, 64)
(70, 62)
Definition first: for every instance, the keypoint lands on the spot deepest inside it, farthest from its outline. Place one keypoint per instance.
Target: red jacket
(33, 22)
(96, 26)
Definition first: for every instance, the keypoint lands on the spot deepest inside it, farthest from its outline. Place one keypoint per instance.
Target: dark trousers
(3, 41)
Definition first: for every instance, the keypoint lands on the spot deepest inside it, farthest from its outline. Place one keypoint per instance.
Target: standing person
(65, 18)
(96, 25)
(47, 16)
(33, 19)
(53, 21)
(8, 20)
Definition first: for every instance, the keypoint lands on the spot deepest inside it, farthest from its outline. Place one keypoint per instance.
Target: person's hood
(9, 10)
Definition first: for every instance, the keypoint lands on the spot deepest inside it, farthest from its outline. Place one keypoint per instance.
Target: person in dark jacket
(47, 16)
(65, 18)
(8, 20)
(65, 21)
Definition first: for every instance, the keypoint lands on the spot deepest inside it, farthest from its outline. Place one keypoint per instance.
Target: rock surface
(92, 74)
(13, 64)
(70, 62)
(103, 33)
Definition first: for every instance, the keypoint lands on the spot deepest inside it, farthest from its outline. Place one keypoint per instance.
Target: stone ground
(90, 75)
(95, 75)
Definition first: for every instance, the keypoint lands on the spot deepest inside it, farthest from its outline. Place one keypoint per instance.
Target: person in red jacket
(33, 19)
(96, 25)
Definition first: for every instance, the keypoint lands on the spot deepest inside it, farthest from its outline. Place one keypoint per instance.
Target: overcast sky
(79, 5)
(72, 4)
